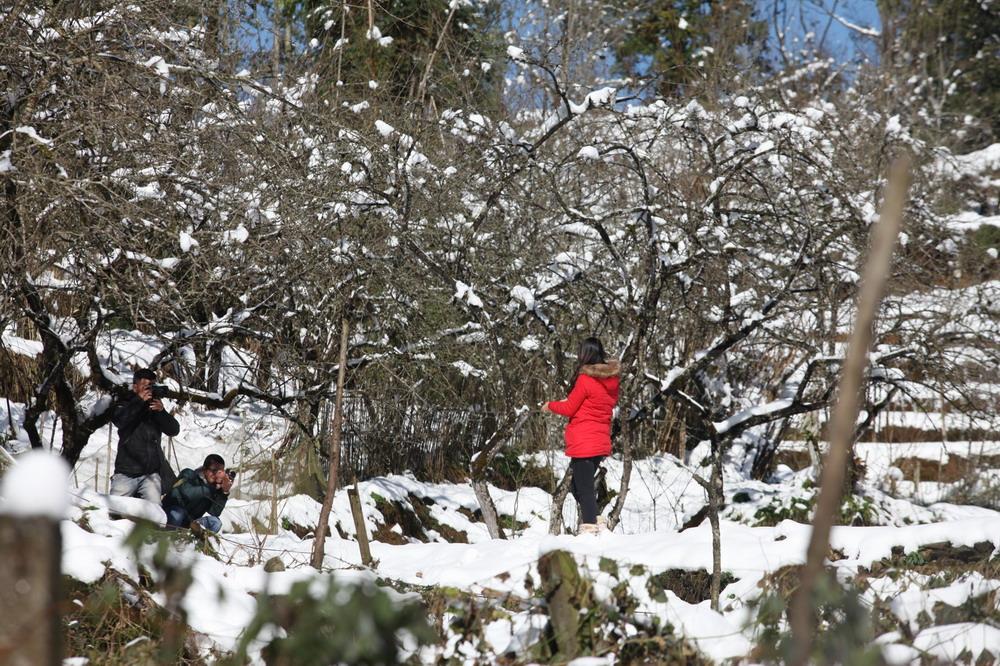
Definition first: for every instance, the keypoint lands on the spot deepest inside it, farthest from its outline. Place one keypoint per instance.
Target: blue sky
(828, 20)
(838, 24)
(802, 17)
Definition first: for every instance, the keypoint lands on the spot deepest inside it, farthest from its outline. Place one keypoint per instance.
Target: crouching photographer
(198, 496)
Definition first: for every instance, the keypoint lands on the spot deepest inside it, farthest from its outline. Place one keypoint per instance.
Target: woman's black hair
(591, 351)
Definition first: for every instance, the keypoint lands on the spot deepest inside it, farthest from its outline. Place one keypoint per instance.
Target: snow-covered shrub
(357, 624)
(845, 628)
(235, 220)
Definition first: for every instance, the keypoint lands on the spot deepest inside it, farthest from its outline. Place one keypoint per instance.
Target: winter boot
(588, 528)
(602, 525)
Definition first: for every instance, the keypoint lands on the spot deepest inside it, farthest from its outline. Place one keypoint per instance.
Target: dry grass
(18, 375)
(958, 468)
(112, 628)
(795, 459)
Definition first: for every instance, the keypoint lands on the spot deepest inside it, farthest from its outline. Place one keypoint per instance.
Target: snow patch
(31, 133)
(465, 292)
(187, 241)
(237, 235)
(468, 370)
(523, 295)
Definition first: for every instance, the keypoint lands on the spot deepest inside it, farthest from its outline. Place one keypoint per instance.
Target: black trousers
(584, 471)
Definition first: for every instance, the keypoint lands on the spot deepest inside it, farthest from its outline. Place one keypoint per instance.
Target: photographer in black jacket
(141, 421)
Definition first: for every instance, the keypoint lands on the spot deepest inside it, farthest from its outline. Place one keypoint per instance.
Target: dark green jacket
(196, 495)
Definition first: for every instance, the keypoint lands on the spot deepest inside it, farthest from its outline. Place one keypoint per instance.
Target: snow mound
(134, 507)
(37, 486)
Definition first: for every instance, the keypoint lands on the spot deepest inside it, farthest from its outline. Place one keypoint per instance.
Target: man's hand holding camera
(226, 483)
(151, 394)
(222, 479)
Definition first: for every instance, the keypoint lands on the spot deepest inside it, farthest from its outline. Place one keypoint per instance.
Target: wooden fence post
(30, 631)
(359, 524)
(240, 451)
(107, 466)
(944, 419)
(566, 593)
(274, 494)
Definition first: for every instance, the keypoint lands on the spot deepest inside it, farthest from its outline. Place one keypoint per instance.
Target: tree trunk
(714, 507)
(844, 418)
(764, 456)
(558, 499)
(331, 488)
(422, 87)
(214, 366)
(30, 421)
(488, 508)
(501, 435)
(77, 437)
(276, 31)
(262, 373)
(616, 512)
(305, 441)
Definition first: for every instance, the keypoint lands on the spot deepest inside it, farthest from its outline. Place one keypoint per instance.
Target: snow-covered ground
(265, 520)
(663, 496)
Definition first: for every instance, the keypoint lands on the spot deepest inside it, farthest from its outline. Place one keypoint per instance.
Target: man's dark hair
(213, 460)
(143, 373)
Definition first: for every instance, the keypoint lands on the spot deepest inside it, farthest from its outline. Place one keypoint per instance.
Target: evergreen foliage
(394, 42)
(689, 44)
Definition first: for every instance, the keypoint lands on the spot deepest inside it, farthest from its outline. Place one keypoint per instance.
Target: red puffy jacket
(589, 407)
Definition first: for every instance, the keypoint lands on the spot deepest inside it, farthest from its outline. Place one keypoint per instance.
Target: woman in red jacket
(588, 433)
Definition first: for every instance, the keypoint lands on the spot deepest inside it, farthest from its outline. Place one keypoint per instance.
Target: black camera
(232, 474)
(158, 391)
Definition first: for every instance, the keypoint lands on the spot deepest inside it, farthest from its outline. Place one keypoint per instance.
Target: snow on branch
(861, 30)
(767, 409)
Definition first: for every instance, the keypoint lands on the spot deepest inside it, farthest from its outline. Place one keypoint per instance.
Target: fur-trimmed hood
(610, 368)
